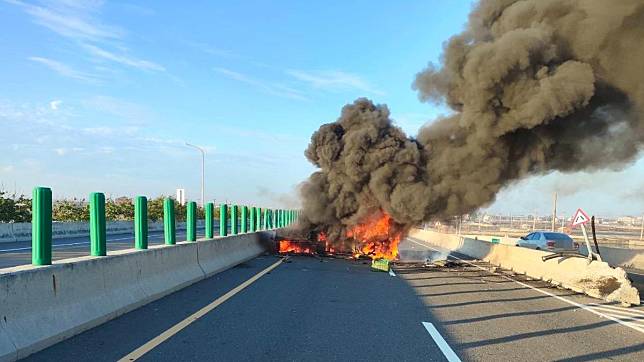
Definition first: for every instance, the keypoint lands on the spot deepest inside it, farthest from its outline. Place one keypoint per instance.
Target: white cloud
(130, 111)
(75, 19)
(55, 104)
(64, 69)
(334, 80)
(7, 168)
(274, 89)
(79, 20)
(62, 151)
(99, 131)
(123, 59)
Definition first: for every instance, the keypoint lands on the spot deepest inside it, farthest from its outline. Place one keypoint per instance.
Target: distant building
(627, 220)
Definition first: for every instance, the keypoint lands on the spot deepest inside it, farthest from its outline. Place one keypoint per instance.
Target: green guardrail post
(169, 227)
(273, 219)
(41, 226)
(269, 219)
(244, 219)
(258, 219)
(277, 219)
(265, 219)
(223, 220)
(97, 231)
(252, 219)
(233, 220)
(210, 222)
(141, 222)
(191, 221)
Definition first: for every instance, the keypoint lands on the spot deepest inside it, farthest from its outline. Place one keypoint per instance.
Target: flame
(327, 245)
(297, 248)
(377, 237)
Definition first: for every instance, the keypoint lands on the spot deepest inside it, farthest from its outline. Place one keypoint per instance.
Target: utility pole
(554, 211)
(534, 221)
(203, 169)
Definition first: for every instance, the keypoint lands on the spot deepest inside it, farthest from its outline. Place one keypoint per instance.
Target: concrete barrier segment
(43, 305)
(596, 279)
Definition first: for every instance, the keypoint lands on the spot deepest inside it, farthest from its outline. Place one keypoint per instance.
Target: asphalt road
(309, 309)
(19, 253)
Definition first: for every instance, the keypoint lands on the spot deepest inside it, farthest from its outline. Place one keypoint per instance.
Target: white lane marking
(391, 272)
(440, 341)
(618, 312)
(154, 342)
(579, 305)
(74, 244)
(618, 309)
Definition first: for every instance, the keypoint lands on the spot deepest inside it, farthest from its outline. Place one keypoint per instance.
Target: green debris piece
(380, 264)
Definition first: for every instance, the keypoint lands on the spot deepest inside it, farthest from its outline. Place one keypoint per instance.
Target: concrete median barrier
(597, 279)
(40, 306)
(216, 256)
(615, 256)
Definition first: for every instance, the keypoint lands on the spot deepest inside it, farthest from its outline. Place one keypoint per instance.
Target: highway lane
(19, 253)
(332, 309)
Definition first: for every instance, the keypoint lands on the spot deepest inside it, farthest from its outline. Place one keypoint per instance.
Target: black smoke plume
(534, 86)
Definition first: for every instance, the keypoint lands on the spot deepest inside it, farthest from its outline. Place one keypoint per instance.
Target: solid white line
(618, 312)
(579, 305)
(618, 309)
(440, 341)
(391, 272)
(154, 342)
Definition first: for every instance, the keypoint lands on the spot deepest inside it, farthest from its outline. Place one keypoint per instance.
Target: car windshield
(556, 236)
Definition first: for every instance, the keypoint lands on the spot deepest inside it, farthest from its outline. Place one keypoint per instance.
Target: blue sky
(102, 96)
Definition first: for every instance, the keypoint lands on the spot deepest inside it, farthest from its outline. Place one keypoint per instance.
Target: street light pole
(203, 169)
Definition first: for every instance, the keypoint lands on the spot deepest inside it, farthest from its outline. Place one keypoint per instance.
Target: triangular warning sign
(580, 218)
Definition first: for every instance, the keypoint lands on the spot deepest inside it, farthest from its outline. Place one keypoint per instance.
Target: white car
(547, 240)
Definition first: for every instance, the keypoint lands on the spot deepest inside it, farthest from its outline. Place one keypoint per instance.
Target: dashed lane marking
(442, 344)
(154, 342)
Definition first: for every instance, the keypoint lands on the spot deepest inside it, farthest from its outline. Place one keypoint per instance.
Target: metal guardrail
(252, 219)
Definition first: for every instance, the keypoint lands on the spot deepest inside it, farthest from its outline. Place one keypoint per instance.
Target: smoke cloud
(534, 85)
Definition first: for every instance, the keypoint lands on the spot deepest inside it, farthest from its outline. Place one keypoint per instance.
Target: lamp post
(203, 169)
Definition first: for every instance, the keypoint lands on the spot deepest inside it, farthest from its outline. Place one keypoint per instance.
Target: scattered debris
(380, 264)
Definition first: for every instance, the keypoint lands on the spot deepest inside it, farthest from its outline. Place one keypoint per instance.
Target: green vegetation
(14, 208)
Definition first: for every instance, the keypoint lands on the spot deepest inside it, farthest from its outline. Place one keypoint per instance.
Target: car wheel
(537, 248)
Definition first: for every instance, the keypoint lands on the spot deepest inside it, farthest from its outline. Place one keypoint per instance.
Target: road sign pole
(97, 232)
(169, 227)
(590, 250)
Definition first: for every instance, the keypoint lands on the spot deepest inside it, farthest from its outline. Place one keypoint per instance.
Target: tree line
(17, 208)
